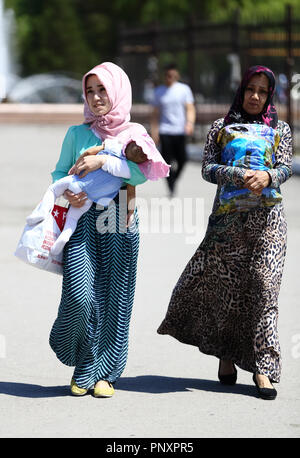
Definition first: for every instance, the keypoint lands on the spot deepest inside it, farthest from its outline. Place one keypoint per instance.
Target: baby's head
(134, 153)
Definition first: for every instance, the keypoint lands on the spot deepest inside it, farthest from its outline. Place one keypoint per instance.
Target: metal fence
(211, 59)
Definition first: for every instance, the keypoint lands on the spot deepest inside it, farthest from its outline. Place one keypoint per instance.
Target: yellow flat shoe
(104, 390)
(76, 390)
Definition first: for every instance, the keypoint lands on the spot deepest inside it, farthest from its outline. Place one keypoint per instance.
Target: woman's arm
(212, 170)
(283, 166)
(65, 161)
(87, 163)
(130, 203)
(115, 166)
(67, 155)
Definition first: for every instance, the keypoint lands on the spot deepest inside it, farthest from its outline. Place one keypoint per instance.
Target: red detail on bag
(56, 262)
(40, 256)
(59, 213)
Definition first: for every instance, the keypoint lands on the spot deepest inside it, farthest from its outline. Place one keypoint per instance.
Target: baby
(101, 187)
(249, 146)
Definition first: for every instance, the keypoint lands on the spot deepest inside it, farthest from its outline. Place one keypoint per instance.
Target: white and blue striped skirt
(92, 326)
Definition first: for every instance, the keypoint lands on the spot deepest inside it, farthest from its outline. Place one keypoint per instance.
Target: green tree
(170, 11)
(73, 35)
(51, 37)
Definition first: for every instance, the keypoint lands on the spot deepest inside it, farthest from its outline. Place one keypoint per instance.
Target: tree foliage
(73, 35)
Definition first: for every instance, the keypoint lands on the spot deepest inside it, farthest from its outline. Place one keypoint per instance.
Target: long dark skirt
(92, 327)
(226, 300)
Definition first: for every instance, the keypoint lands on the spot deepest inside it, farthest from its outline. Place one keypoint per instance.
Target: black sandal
(265, 393)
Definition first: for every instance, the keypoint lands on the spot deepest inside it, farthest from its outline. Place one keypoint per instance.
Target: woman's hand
(76, 200)
(86, 163)
(256, 180)
(89, 152)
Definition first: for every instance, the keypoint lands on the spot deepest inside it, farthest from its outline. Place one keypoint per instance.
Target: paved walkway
(168, 390)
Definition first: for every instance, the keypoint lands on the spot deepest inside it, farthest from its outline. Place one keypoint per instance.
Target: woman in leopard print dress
(226, 300)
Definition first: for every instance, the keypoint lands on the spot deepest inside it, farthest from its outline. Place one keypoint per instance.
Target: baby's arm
(117, 167)
(93, 150)
(123, 168)
(120, 166)
(109, 145)
(115, 164)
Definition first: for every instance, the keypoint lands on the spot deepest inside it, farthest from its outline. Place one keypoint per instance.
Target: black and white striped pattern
(91, 329)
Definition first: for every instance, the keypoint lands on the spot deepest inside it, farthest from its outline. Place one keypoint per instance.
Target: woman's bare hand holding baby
(87, 162)
(89, 152)
(76, 200)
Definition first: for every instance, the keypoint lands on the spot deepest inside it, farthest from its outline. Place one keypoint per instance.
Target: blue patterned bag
(250, 146)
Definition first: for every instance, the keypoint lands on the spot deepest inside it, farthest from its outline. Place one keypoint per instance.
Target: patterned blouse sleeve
(283, 158)
(212, 170)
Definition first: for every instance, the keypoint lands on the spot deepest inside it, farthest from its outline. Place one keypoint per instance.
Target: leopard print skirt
(226, 300)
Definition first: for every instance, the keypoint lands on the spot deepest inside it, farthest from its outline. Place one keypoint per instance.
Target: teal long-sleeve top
(77, 140)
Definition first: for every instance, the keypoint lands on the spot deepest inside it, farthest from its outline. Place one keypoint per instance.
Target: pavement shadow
(27, 390)
(151, 384)
(156, 384)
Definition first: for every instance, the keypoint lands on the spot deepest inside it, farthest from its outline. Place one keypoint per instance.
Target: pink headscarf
(116, 123)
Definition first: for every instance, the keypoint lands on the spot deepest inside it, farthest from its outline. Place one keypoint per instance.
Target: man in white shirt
(173, 118)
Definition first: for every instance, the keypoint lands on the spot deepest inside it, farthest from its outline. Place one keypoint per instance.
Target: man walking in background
(173, 118)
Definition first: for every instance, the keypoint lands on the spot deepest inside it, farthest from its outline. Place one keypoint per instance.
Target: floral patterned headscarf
(268, 115)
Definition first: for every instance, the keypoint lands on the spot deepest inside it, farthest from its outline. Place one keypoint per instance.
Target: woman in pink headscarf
(91, 329)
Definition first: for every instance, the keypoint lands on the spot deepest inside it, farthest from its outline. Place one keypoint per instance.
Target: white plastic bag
(36, 241)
